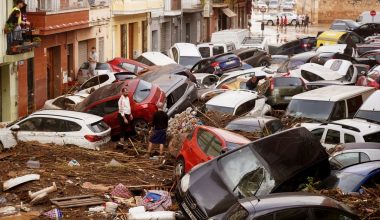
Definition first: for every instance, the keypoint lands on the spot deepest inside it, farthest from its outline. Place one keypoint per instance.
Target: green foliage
(310, 186)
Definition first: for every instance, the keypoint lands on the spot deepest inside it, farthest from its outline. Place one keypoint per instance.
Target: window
(204, 138)
(265, 217)
(347, 159)
(175, 54)
(332, 137)
(238, 212)
(216, 50)
(215, 148)
(330, 214)
(294, 214)
(129, 67)
(142, 91)
(105, 108)
(318, 133)
(339, 111)
(309, 76)
(72, 126)
(53, 125)
(274, 126)
(349, 138)
(353, 104)
(205, 51)
(94, 82)
(375, 137)
(32, 124)
(174, 96)
(98, 127)
(246, 107)
(145, 61)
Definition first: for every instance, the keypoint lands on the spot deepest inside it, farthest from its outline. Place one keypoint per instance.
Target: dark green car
(283, 88)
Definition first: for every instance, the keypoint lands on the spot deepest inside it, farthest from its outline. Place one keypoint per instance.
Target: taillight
(215, 64)
(305, 45)
(93, 138)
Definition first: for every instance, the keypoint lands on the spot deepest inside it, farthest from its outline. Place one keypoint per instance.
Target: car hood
(284, 155)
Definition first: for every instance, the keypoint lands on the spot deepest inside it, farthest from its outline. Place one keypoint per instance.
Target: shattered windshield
(244, 174)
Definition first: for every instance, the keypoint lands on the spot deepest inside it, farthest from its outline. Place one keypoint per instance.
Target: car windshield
(205, 51)
(347, 182)
(287, 81)
(317, 110)
(142, 91)
(243, 127)
(373, 116)
(290, 65)
(102, 66)
(227, 110)
(188, 61)
(98, 127)
(244, 174)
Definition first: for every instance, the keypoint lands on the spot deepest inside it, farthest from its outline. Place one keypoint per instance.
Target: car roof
(364, 126)
(232, 98)
(362, 169)
(280, 201)
(168, 82)
(249, 120)
(365, 145)
(87, 118)
(304, 55)
(332, 93)
(242, 50)
(158, 58)
(372, 103)
(228, 135)
(187, 49)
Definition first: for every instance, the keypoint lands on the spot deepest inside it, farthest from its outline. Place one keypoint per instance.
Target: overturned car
(277, 163)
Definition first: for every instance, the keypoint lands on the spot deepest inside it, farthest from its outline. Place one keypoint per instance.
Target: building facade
(192, 21)
(16, 70)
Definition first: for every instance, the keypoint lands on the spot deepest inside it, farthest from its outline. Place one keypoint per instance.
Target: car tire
(264, 63)
(293, 23)
(180, 167)
(140, 126)
(270, 23)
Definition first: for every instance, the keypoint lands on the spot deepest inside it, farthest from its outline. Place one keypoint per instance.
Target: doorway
(53, 72)
(70, 61)
(123, 40)
(155, 40)
(131, 40)
(187, 33)
(30, 80)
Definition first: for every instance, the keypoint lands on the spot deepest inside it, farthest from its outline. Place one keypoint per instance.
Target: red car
(204, 144)
(120, 64)
(143, 97)
(372, 79)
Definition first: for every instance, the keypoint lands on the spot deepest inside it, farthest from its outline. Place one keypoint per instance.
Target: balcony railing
(57, 5)
(20, 41)
(172, 5)
(191, 4)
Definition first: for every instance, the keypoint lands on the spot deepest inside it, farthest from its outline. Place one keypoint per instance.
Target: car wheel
(180, 167)
(264, 63)
(140, 126)
(293, 23)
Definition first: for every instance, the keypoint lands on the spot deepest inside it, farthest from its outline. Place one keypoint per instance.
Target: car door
(319, 134)
(179, 103)
(94, 83)
(201, 142)
(70, 133)
(333, 138)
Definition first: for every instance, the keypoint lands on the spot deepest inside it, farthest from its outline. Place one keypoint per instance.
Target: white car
(64, 102)
(354, 153)
(290, 16)
(370, 110)
(238, 102)
(346, 131)
(213, 49)
(256, 42)
(185, 54)
(155, 58)
(58, 127)
(287, 6)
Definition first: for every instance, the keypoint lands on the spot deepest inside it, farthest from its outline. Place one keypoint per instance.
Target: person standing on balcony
(14, 28)
(93, 60)
(20, 4)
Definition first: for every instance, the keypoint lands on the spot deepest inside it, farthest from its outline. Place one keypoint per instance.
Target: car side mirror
(15, 128)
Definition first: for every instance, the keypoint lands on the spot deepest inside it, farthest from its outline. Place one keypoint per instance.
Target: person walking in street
(302, 21)
(307, 20)
(277, 22)
(124, 114)
(281, 23)
(297, 22)
(93, 60)
(160, 125)
(285, 22)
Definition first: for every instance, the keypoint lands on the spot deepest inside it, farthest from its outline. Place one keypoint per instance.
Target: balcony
(129, 7)
(172, 8)
(100, 12)
(190, 6)
(57, 6)
(20, 44)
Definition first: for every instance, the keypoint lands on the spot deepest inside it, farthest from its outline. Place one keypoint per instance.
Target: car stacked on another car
(253, 56)
(218, 64)
(120, 64)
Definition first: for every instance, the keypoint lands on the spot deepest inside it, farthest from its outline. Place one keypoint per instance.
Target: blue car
(353, 178)
(218, 64)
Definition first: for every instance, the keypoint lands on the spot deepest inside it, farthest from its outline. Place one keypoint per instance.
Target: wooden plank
(71, 197)
(79, 205)
(78, 201)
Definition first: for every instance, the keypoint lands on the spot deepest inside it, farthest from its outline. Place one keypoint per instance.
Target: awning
(228, 12)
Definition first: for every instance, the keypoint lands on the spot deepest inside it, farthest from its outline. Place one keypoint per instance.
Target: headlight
(185, 181)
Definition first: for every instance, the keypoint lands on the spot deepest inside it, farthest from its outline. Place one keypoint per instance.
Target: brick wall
(22, 102)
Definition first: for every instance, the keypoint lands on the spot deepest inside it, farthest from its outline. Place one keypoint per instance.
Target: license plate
(187, 210)
(230, 62)
(288, 98)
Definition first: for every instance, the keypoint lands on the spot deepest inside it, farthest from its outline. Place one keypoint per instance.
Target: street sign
(263, 9)
(373, 13)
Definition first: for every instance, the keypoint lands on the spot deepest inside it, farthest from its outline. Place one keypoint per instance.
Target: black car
(364, 48)
(289, 206)
(217, 64)
(344, 25)
(294, 47)
(276, 163)
(369, 29)
(373, 55)
(253, 56)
